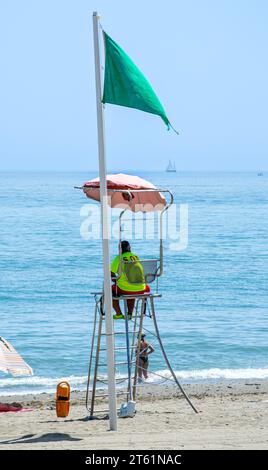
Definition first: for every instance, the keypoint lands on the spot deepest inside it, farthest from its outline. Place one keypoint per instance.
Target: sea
(213, 312)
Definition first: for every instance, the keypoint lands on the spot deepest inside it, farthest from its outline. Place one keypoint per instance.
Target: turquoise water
(214, 310)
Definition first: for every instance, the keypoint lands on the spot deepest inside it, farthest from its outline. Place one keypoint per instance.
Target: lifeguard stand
(127, 333)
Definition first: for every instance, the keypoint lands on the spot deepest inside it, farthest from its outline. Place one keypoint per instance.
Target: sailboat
(171, 167)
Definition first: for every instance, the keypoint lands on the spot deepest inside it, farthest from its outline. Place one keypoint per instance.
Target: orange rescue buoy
(63, 399)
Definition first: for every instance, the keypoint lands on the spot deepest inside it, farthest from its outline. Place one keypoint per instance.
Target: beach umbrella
(10, 360)
(127, 191)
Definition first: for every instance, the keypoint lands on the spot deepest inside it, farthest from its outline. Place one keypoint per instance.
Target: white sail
(171, 167)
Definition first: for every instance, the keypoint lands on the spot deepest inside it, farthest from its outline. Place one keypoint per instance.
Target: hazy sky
(206, 60)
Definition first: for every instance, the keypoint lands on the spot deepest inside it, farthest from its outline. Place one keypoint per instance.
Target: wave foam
(231, 374)
(36, 385)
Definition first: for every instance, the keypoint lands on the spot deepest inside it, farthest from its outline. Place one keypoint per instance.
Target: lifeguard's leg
(116, 306)
(130, 305)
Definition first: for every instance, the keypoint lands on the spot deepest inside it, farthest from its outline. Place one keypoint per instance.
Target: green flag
(125, 85)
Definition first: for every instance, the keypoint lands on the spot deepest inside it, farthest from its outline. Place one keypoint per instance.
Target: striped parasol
(10, 360)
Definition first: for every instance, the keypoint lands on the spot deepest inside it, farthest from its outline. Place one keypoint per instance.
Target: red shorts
(117, 291)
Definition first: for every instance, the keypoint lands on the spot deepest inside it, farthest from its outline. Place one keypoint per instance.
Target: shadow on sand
(86, 419)
(49, 437)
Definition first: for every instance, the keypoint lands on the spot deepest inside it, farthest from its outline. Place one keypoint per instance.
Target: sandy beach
(231, 416)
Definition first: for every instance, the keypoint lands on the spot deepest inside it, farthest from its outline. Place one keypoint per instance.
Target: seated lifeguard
(131, 280)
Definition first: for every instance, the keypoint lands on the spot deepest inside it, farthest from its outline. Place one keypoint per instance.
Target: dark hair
(125, 246)
(142, 335)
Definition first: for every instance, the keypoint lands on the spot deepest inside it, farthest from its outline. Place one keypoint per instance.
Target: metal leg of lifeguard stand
(138, 317)
(130, 391)
(96, 366)
(91, 352)
(166, 358)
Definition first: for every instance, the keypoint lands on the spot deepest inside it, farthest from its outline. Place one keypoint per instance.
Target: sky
(205, 59)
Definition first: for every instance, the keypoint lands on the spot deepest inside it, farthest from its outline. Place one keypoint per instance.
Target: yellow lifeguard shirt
(132, 278)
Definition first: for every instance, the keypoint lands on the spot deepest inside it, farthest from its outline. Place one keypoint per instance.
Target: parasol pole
(105, 232)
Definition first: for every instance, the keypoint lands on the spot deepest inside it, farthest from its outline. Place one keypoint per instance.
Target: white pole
(105, 233)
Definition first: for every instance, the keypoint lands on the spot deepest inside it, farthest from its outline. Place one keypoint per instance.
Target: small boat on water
(171, 167)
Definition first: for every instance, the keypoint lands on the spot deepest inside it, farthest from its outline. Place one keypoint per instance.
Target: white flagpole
(105, 233)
